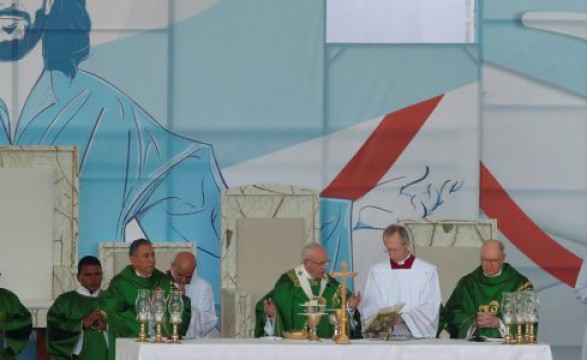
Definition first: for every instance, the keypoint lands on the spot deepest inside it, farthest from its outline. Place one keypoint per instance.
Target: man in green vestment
(15, 325)
(280, 309)
(119, 299)
(76, 325)
(476, 301)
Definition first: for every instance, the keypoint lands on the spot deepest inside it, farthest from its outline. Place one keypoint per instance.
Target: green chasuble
(475, 290)
(64, 328)
(119, 303)
(288, 296)
(15, 325)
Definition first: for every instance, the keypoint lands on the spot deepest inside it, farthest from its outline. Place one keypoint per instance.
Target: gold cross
(343, 274)
(343, 338)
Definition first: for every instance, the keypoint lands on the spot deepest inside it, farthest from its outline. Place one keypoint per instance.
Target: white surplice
(417, 287)
(203, 321)
(581, 293)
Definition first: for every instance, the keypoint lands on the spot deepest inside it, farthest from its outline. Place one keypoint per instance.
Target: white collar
(304, 278)
(494, 275)
(85, 292)
(401, 262)
(301, 271)
(143, 276)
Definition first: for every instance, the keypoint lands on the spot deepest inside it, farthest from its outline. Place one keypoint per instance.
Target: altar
(273, 348)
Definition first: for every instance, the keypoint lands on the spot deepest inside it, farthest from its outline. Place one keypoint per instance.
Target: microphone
(477, 337)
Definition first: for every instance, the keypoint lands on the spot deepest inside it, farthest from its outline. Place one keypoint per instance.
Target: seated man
(481, 290)
(119, 299)
(15, 325)
(280, 309)
(76, 327)
(203, 322)
(404, 279)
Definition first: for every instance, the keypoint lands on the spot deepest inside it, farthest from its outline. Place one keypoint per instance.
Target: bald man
(476, 301)
(203, 322)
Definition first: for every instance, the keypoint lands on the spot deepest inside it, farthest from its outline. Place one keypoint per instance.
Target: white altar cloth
(277, 348)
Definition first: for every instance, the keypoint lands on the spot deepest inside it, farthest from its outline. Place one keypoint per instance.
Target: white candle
(175, 318)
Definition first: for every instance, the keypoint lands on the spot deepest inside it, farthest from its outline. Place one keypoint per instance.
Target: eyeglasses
(492, 261)
(322, 264)
(391, 251)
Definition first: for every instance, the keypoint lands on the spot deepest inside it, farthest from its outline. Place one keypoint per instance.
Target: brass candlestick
(175, 334)
(333, 320)
(343, 337)
(519, 336)
(530, 335)
(341, 324)
(143, 331)
(175, 320)
(158, 333)
(508, 337)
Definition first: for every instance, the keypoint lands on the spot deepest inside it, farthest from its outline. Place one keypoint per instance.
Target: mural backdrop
(172, 102)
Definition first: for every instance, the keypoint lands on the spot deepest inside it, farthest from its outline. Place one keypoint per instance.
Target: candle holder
(531, 307)
(143, 331)
(508, 315)
(528, 338)
(342, 322)
(158, 307)
(143, 308)
(519, 337)
(175, 308)
(520, 317)
(333, 320)
(507, 338)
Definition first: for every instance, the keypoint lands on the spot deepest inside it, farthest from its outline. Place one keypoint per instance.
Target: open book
(382, 320)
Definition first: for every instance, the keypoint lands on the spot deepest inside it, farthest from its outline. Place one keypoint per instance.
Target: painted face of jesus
(22, 23)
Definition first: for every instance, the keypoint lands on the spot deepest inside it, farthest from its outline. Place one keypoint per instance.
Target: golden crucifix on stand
(343, 338)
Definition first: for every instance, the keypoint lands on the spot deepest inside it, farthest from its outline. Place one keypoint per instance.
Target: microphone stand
(477, 337)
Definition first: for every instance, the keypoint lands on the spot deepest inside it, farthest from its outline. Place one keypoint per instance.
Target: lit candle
(143, 316)
(175, 318)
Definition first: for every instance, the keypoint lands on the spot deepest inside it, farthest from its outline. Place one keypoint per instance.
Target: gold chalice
(313, 321)
(314, 312)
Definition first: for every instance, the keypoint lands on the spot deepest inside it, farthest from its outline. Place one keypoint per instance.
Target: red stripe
(524, 233)
(380, 151)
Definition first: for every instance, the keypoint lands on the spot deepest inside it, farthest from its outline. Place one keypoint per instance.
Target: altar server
(404, 279)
